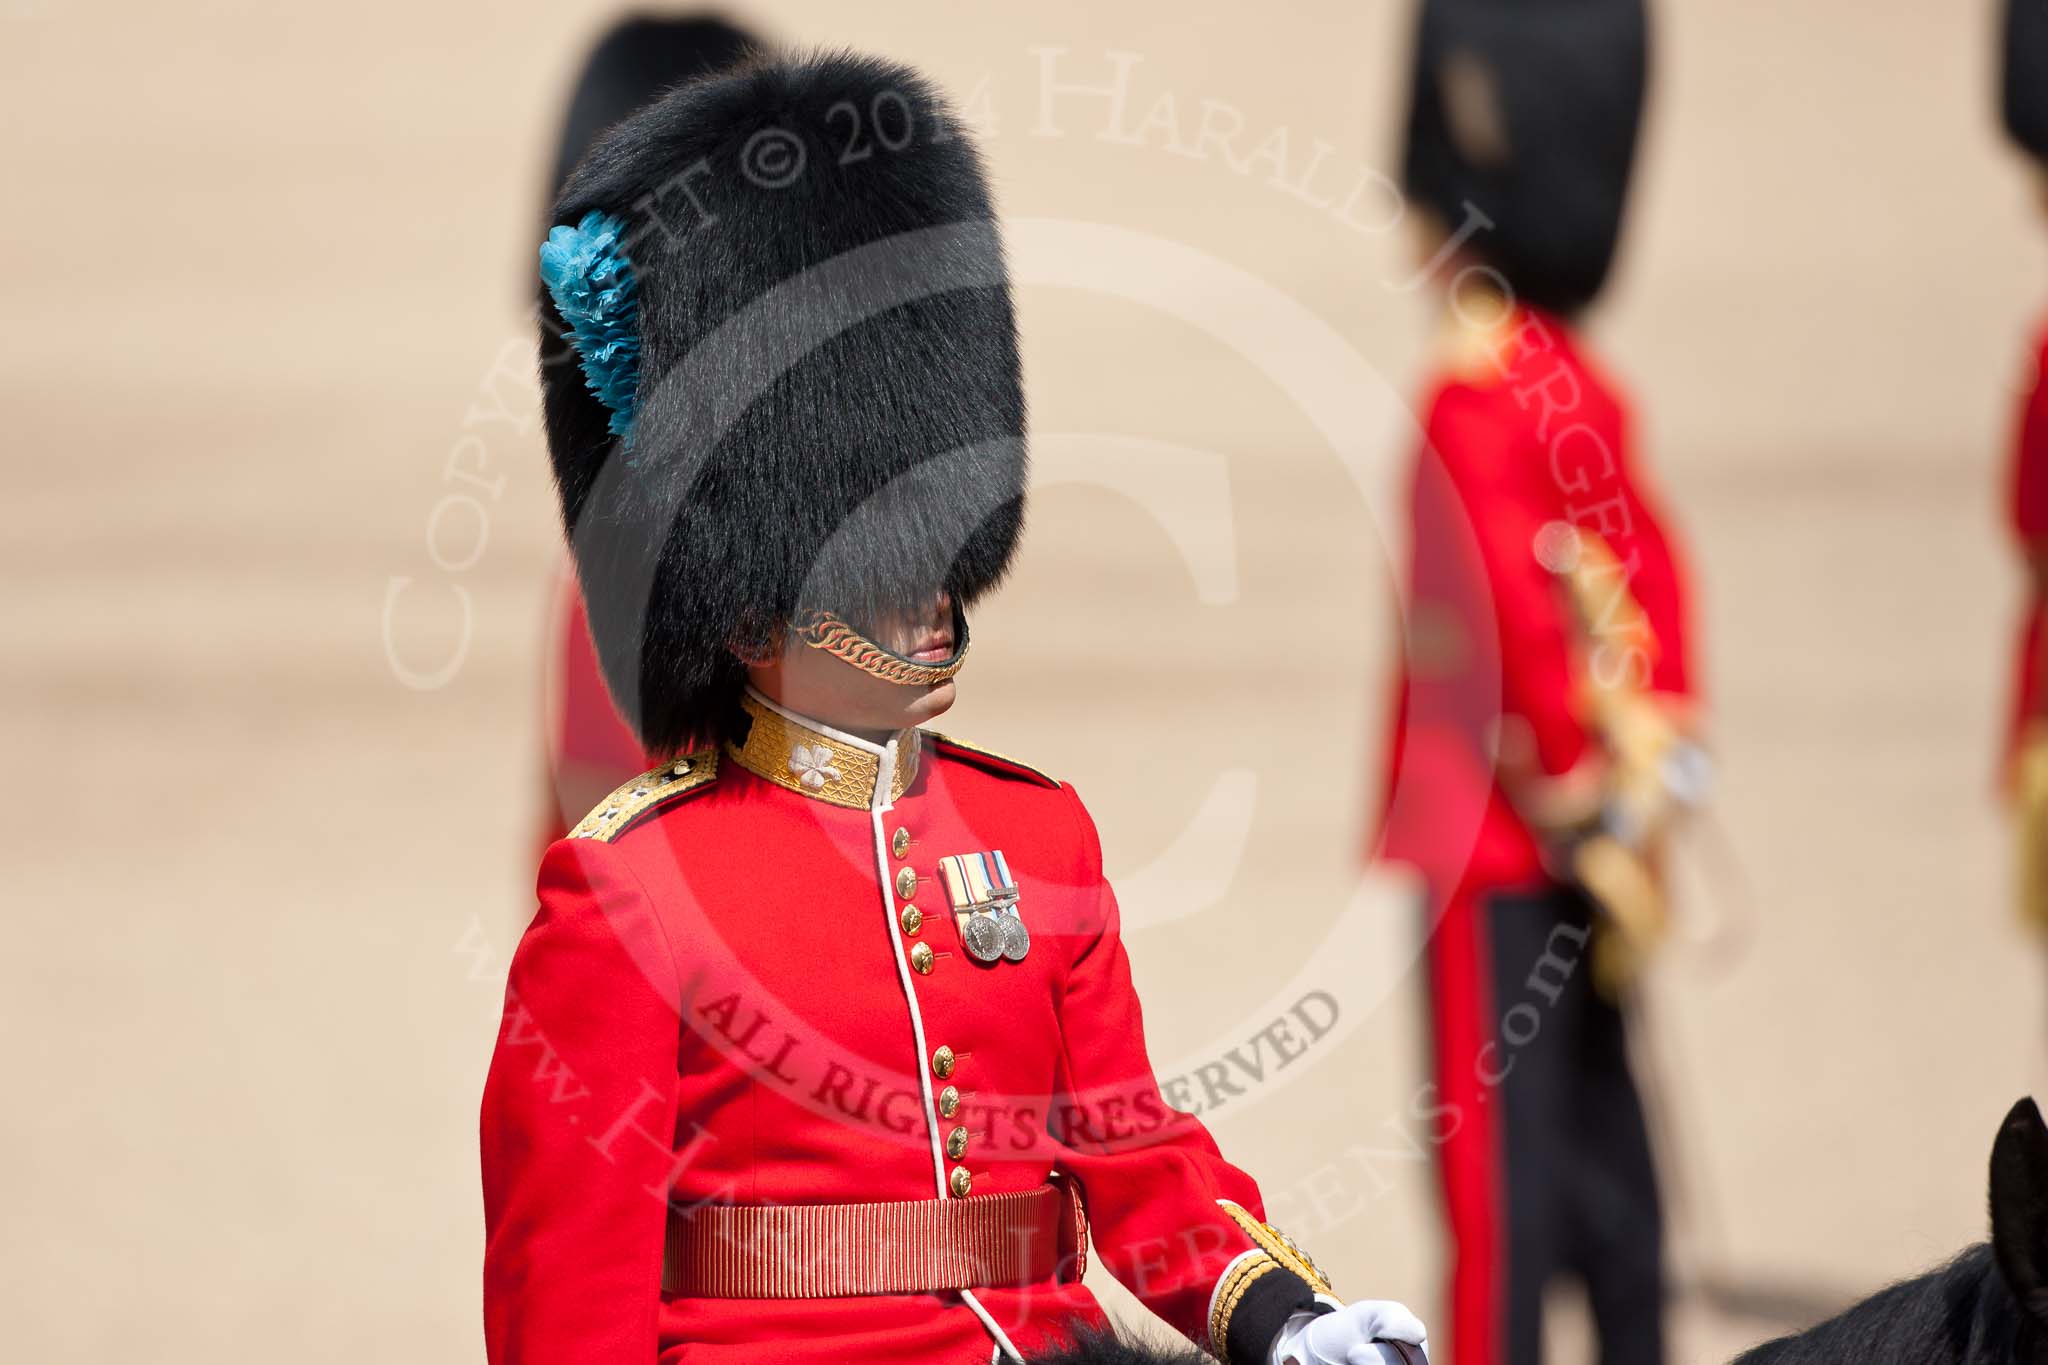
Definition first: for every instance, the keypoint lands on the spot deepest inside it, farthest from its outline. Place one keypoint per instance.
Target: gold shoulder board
(990, 759)
(651, 790)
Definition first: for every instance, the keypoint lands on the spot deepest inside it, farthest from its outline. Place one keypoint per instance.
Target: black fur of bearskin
(831, 410)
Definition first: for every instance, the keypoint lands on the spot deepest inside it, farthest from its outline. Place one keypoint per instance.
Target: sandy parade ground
(282, 542)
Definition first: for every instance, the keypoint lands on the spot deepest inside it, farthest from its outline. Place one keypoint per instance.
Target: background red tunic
(1537, 436)
(2027, 515)
(590, 748)
(1489, 637)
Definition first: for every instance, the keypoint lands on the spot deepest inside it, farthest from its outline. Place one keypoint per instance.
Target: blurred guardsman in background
(1541, 745)
(823, 1043)
(2026, 118)
(590, 748)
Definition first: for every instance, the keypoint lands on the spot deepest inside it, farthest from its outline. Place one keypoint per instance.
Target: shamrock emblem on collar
(812, 764)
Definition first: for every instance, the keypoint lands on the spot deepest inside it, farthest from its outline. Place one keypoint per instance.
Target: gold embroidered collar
(815, 760)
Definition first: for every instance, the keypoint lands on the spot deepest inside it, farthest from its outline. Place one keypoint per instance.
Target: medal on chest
(984, 899)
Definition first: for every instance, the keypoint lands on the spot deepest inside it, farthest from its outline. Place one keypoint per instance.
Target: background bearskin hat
(830, 411)
(2026, 75)
(634, 61)
(1527, 111)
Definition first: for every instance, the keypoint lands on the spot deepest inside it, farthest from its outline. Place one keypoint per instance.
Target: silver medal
(1016, 938)
(984, 938)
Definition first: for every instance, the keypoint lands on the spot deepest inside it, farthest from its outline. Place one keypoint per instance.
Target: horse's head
(2019, 1222)
(1989, 1306)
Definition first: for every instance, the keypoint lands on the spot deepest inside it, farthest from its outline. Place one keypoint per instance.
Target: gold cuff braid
(1279, 1246)
(1236, 1281)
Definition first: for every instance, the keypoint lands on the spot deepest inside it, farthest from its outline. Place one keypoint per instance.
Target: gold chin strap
(823, 630)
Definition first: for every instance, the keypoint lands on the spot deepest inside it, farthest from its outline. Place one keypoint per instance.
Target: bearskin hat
(1527, 111)
(2026, 75)
(633, 62)
(828, 412)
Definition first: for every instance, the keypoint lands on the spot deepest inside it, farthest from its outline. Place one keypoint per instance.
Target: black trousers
(1574, 1188)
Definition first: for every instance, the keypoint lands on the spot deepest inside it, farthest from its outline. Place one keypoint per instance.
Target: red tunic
(715, 1003)
(1537, 435)
(2027, 515)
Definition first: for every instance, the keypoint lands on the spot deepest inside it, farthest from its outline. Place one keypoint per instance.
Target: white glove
(1348, 1335)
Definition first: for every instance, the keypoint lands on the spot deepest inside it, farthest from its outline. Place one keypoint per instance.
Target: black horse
(1104, 1346)
(1989, 1306)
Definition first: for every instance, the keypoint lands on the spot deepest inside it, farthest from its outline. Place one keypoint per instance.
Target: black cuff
(1268, 1302)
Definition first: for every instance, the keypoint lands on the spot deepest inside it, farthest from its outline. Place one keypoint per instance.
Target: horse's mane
(1960, 1314)
(1103, 1346)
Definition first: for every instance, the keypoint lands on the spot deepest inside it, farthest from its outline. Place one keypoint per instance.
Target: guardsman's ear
(2019, 1208)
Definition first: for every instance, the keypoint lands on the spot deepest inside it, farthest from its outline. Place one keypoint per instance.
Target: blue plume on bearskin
(591, 284)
